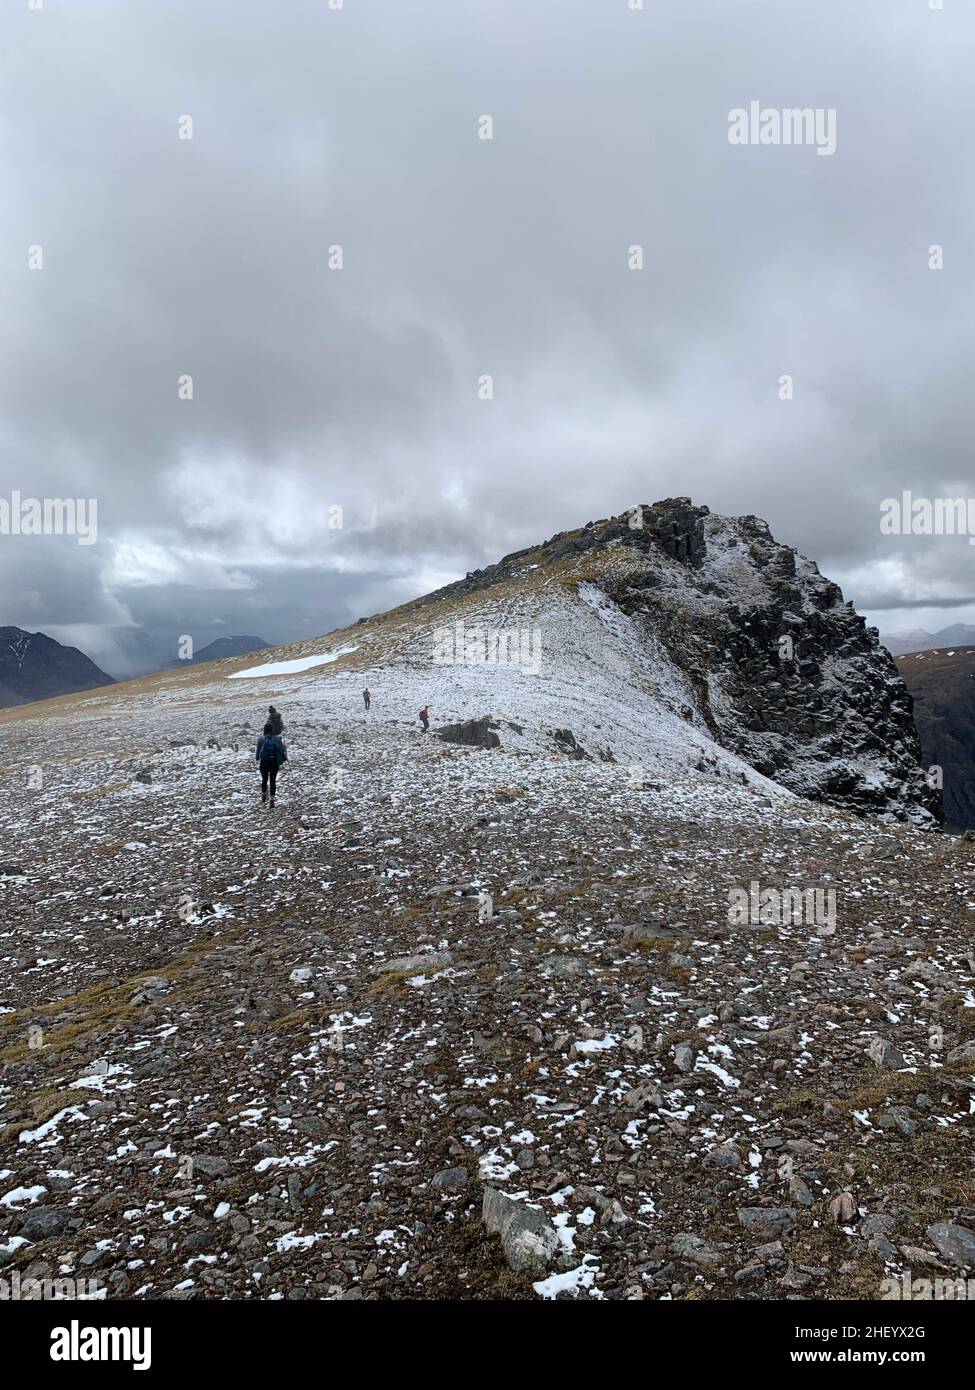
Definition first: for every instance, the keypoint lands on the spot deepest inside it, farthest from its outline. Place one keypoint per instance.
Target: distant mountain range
(918, 640)
(35, 667)
(227, 646)
(942, 684)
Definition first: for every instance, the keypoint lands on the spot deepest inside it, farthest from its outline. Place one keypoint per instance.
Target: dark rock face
(473, 733)
(35, 667)
(785, 673)
(567, 742)
(942, 684)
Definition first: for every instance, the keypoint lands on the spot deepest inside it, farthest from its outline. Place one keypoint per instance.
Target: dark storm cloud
(881, 604)
(315, 388)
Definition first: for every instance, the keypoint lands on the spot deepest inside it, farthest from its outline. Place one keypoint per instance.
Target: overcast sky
(316, 388)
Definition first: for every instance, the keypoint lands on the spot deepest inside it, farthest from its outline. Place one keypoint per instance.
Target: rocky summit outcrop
(774, 665)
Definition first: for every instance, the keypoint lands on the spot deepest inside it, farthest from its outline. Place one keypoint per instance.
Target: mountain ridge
(767, 709)
(700, 640)
(34, 667)
(221, 648)
(920, 640)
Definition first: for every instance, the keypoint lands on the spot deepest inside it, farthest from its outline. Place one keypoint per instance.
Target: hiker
(270, 756)
(275, 721)
(366, 698)
(425, 717)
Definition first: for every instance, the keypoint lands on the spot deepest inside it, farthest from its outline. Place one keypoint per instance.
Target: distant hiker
(425, 717)
(270, 756)
(366, 698)
(275, 721)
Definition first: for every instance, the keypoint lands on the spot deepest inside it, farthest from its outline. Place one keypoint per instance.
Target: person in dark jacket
(275, 720)
(270, 756)
(425, 717)
(367, 698)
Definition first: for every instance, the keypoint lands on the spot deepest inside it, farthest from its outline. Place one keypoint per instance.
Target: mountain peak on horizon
(232, 645)
(920, 640)
(34, 666)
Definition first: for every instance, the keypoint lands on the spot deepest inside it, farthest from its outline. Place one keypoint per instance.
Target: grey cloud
(358, 388)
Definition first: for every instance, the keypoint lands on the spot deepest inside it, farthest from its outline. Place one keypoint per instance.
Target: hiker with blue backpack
(271, 755)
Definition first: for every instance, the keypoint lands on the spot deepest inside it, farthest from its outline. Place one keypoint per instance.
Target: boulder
(528, 1239)
(843, 1208)
(472, 733)
(769, 1222)
(955, 1243)
(691, 1248)
(885, 1055)
(414, 965)
(450, 1180)
(44, 1222)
